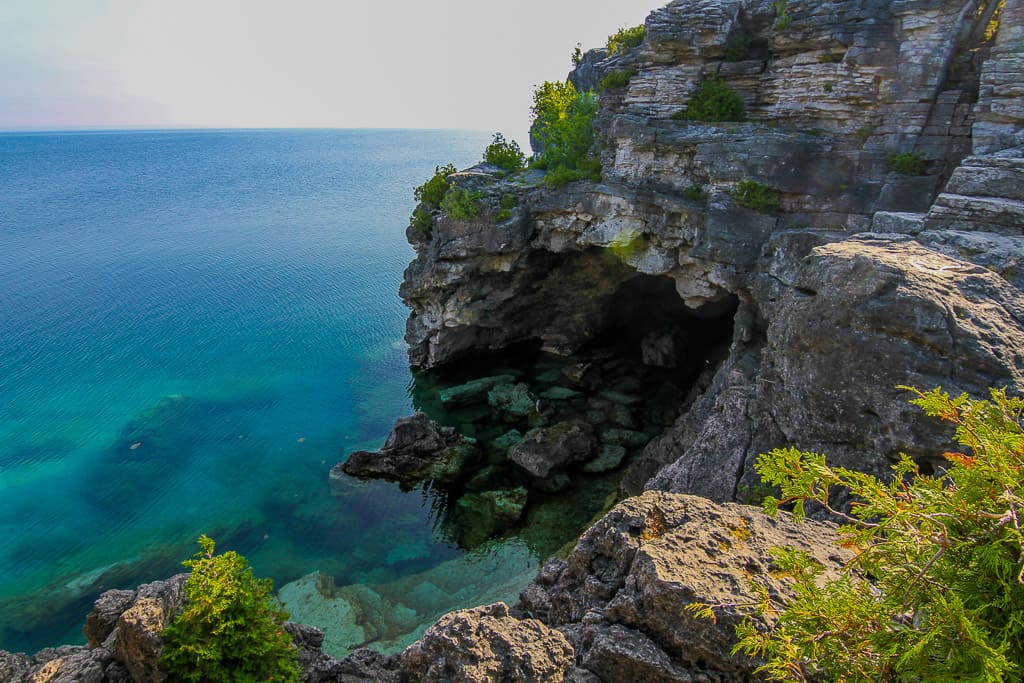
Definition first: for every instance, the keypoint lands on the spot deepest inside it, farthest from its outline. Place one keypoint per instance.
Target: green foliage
(935, 590)
(230, 628)
(505, 154)
(827, 87)
(908, 163)
(714, 101)
(738, 47)
(432, 192)
(617, 79)
(577, 55)
(782, 20)
(507, 203)
(627, 244)
(563, 124)
(625, 38)
(829, 58)
(695, 193)
(421, 221)
(461, 204)
(751, 194)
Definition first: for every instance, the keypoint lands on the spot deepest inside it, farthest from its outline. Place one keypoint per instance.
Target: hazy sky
(252, 63)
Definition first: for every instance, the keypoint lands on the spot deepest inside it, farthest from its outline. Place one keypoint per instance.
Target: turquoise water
(194, 326)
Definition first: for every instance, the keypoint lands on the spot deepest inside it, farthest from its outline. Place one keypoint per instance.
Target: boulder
(622, 592)
(485, 644)
(512, 401)
(138, 643)
(417, 450)
(481, 515)
(546, 449)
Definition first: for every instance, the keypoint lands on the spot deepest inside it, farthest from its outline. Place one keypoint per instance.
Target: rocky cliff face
(861, 279)
(867, 275)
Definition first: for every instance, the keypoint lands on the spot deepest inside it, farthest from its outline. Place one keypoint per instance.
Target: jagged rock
(103, 619)
(487, 644)
(546, 449)
(417, 450)
(14, 666)
(138, 643)
(623, 589)
(481, 515)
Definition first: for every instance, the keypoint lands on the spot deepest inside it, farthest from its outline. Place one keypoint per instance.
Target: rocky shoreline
(867, 273)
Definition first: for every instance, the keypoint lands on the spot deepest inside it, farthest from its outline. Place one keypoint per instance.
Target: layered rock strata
(890, 130)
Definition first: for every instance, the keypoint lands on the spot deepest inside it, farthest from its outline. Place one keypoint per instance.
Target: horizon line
(202, 128)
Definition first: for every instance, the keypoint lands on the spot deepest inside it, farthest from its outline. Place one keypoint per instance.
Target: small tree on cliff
(935, 591)
(230, 628)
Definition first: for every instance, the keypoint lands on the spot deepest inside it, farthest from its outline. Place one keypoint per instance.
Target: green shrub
(782, 20)
(695, 193)
(827, 87)
(507, 203)
(753, 195)
(935, 590)
(714, 101)
(577, 55)
(625, 38)
(461, 204)
(505, 154)
(829, 58)
(421, 221)
(617, 79)
(907, 163)
(738, 47)
(432, 192)
(230, 627)
(563, 125)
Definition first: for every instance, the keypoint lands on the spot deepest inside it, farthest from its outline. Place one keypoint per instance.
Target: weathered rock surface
(417, 450)
(488, 644)
(547, 449)
(829, 318)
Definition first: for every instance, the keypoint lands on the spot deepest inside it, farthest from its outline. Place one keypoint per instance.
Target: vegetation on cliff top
(625, 38)
(563, 125)
(935, 590)
(505, 154)
(230, 628)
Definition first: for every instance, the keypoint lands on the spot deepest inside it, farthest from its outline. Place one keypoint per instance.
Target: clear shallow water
(194, 326)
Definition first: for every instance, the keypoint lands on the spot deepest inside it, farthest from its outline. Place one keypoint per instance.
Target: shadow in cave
(646, 360)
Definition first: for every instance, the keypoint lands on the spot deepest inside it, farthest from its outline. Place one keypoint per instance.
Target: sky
(463, 64)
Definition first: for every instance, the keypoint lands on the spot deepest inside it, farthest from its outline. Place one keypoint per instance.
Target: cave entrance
(552, 427)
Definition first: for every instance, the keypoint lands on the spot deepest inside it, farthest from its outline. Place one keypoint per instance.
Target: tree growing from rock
(935, 591)
(230, 627)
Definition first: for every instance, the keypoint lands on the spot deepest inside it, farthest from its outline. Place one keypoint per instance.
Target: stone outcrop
(123, 632)
(868, 274)
(417, 450)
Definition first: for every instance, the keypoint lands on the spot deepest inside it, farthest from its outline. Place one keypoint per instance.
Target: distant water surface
(194, 326)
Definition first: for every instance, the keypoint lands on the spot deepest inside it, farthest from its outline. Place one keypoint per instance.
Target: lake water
(194, 327)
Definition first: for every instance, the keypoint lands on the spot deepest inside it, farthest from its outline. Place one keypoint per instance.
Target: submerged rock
(513, 401)
(546, 449)
(475, 391)
(481, 515)
(417, 450)
(608, 458)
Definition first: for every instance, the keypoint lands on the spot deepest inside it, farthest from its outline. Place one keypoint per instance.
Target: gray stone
(608, 458)
(546, 449)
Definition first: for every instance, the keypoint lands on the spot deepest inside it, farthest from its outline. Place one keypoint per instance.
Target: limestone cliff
(863, 277)
(867, 274)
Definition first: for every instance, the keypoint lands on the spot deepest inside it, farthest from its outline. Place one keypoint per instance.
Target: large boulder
(621, 595)
(417, 450)
(485, 644)
(548, 449)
